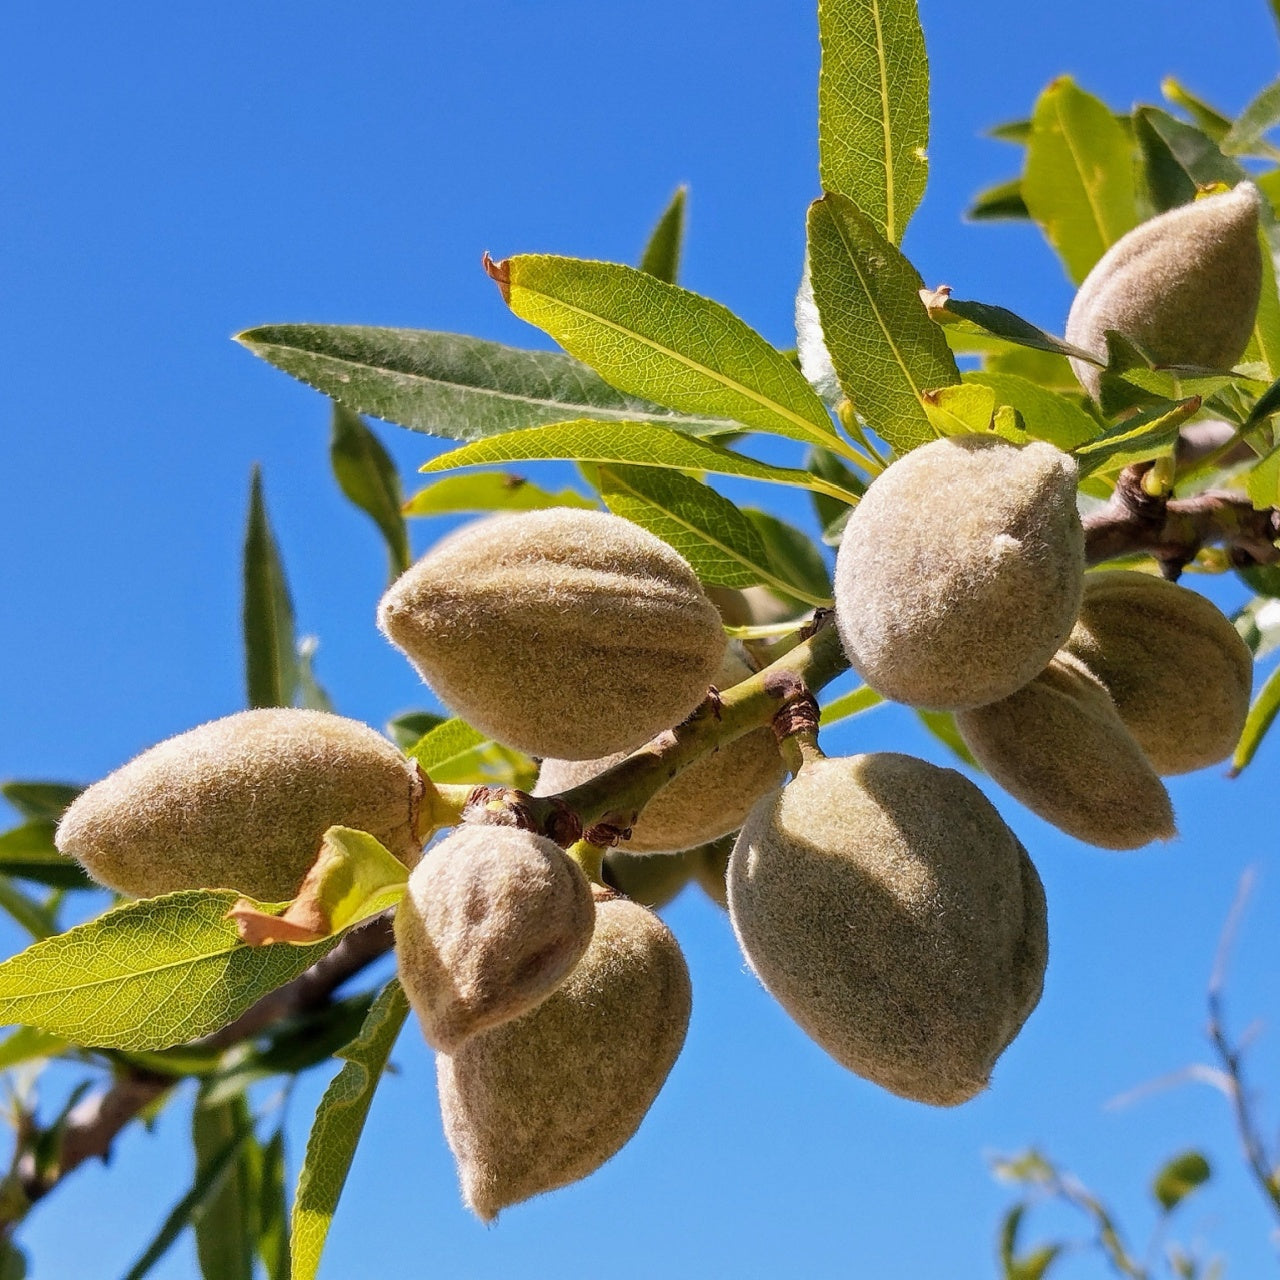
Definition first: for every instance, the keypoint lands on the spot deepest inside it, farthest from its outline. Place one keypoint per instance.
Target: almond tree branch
(1174, 529)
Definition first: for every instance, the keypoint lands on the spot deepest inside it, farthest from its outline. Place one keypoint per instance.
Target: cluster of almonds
(881, 899)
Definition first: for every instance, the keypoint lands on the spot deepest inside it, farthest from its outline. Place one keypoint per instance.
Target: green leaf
(639, 443)
(1189, 149)
(40, 801)
(226, 1219)
(445, 743)
(1263, 482)
(1146, 435)
(1165, 182)
(1264, 346)
(405, 729)
(146, 975)
(885, 348)
(1078, 182)
(1179, 1178)
(34, 917)
(719, 541)
(354, 878)
(961, 410)
(1206, 118)
(311, 694)
(942, 724)
(1004, 200)
(447, 384)
(1261, 714)
(206, 1184)
(654, 339)
(797, 563)
(273, 1211)
(339, 1122)
(873, 108)
(831, 512)
(1002, 323)
(28, 853)
(1045, 414)
(13, 1262)
(1035, 1265)
(1258, 118)
(271, 670)
(863, 698)
(25, 1044)
(366, 474)
(662, 254)
(454, 752)
(1258, 622)
(491, 491)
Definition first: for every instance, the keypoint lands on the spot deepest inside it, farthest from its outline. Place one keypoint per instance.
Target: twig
(93, 1124)
(1173, 530)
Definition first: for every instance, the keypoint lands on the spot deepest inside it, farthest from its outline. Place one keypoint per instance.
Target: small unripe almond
(242, 803)
(896, 918)
(1179, 674)
(1183, 285)
(494, 920)
(560, 632)
(708, 800)
(651, 879)
(960, 571)
(545, 1100)
(1059, 745)
(711, 866)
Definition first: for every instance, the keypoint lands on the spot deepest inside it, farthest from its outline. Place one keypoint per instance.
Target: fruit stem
(590, 858)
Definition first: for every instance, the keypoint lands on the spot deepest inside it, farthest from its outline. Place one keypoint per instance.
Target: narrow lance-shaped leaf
(368, 477)
(28, 853)
(24, 1044)
(1004, 200)
(654, 339)
(226, 1220)
(33, 916)
(1002, 323)
(40, 801)
(271, 670)
(1171, 146)
(1045, 414)
(1264, 345)
(1078, 183)
(885, 348)
(1258, 118)
(708, 530)
(795, 559)
(662, 254)
(451, 385)
(1263, 482)
(640, 443)
(273, 1211)
(873, 108)
(853, 703)
(147, 974)
(491, 491)
(1144, 436)
(1260, 718)
(339, 1122)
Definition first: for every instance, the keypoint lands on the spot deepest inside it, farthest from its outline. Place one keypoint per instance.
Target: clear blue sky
(172, 174)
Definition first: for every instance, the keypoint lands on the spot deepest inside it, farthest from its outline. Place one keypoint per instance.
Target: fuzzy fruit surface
(242, 803)
(960, 571)
(896, 918)
(1059, 745)
(1178, 672)
(493, 921)
(709, 799)
(560, 632)
(545, 1100)
(1184, 286)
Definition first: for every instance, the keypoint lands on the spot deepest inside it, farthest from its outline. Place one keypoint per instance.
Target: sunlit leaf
(1003, 323)
(1137, 439)
(339, 1122)
(661, 256)
(451, 385)
(368, 477)
(942, 724)
(490, 491)
(273, 1211)
(225, 1221)
(885, 348)
(25, 1044)
(1045, 414)
(863, 698)
(1258, 118)
(271, 670)
(1205, 117)
(1179, 1178)
(1266, 705)
(1078, 182)
(1004, 200)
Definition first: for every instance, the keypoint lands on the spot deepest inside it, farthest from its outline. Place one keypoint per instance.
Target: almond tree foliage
(656, 394)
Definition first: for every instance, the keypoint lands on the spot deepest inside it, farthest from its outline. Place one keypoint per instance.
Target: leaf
(961, 410)
(339, 1122)
(863, 698)
(1258, 623)
(885, 348)
(271, 672)
(1258, 118)
(1078, 183)
(406, 728)
(1146, 435)
(719, 541)
(1261, 714)
(26, 1044)
(273, 1211)
(447, 384)
(1165, 181)
(36, 919)
(796, 561)
(492, 491)
(311, 694)
(182, 1214)
(444, 744)
(1263, 482)
(1004, 200)
(1045, 414)
(226, 1219)
(831, 512)
(873, 108)
(1179, 1178)
(1189, 149)
(28, 853)
(40, 801)
(661, 257)
(1035, 1265)
(942, 724)
(1003, 323)
(146, 975)
(368, 477)
(1206, 118)
(1264, 346)
(654, 339)
(638, 443)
